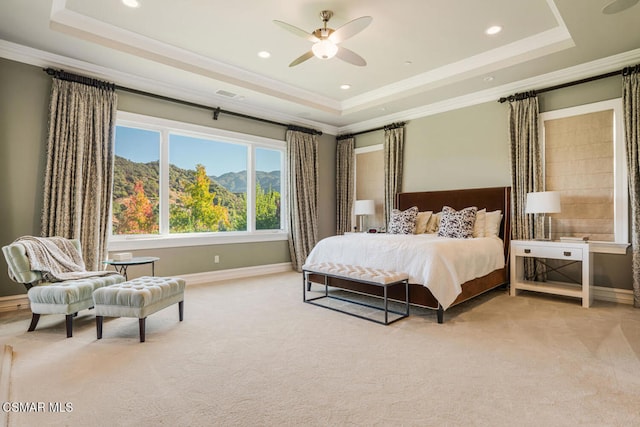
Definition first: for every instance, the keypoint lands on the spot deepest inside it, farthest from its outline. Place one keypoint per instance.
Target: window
(185, 184)
(585, 161)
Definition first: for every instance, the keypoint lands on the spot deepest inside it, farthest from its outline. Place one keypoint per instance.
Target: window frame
(166, 240)
(620, 185)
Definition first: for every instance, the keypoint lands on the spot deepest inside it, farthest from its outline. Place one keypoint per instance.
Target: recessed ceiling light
(488, 79)
(495, 29)
(131, 3)
(345, 87)
(264, 54)
(407, 63)
(617, 6)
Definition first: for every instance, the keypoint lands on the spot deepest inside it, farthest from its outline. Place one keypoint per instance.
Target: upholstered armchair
(66, 297)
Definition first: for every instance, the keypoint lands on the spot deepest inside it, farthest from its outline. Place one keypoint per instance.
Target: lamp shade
(365, 207)
(543, 202)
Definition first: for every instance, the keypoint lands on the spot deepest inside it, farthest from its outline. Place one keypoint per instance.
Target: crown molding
(589, 69)
(39, 58)
(31, 56)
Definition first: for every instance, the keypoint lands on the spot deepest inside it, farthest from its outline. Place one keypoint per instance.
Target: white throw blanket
(439, 263)
(56, 258)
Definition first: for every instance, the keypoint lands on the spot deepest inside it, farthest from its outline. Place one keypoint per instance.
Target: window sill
(146, 242)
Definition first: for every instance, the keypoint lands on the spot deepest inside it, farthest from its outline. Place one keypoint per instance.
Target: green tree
(138, 215)
(267, 209)
(198, 213)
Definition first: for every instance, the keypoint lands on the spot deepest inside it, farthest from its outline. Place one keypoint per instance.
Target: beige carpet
(250, 353)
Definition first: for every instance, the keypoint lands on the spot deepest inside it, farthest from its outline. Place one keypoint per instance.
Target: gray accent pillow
(403, 222)
(457, 224)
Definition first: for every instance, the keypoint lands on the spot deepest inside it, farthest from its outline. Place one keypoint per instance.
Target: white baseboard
(620, 296)
(235, 273)
(21, 302)
(14, 302)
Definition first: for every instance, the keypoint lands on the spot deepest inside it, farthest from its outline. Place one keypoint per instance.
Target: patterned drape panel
(526, 163)
(302, 165)
(631, 106)
(393, 152)
(344, 184)
(79, 174)
(526, 168)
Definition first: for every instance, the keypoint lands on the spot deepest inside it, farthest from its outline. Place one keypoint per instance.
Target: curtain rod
(387, 127)
(516, 96)
(63, 75)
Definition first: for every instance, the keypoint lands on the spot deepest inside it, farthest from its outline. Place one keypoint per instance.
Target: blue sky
(143, 146)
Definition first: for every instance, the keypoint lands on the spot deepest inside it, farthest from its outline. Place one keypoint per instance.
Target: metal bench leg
(181, 309)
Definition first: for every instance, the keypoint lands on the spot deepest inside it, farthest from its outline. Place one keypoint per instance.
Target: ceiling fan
(325, 40)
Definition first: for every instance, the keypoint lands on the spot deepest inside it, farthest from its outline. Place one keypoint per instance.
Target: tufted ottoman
(138, 298)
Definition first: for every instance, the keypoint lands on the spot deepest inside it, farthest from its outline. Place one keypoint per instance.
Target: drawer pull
(527, 251)
(567, 253)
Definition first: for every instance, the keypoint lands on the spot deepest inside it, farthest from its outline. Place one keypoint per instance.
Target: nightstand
(567, 251)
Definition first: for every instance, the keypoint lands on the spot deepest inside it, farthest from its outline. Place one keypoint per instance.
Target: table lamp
(543, 202)
(363, 208)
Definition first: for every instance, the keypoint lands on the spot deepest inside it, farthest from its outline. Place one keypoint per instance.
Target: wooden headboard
(492, 199)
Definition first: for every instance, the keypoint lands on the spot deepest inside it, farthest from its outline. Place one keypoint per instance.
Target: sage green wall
(469, 148)
(24, 94)
(457, 149)
(24, 98)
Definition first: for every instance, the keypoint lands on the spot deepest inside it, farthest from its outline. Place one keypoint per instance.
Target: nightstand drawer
(548, 252)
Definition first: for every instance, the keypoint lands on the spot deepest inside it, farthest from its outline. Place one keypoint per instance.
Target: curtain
(344, 183)
(302, 167)
(526, 168)
(393, 152)
(79, 172)
(631, 107)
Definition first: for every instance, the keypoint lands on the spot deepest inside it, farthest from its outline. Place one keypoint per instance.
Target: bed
(438, 296)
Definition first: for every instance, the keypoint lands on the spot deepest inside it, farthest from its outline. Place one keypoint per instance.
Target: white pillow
(479, 226)
(421, 221)
(492, 224)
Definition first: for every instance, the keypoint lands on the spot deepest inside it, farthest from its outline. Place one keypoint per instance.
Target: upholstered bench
(138, 298)
(365, 275)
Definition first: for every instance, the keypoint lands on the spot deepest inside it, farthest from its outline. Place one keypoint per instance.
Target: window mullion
(251, 189)
(164, 182)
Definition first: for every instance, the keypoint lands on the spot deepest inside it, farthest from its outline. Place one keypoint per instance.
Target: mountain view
(197, 202)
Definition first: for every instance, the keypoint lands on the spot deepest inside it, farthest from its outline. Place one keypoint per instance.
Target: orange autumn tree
(138, 216)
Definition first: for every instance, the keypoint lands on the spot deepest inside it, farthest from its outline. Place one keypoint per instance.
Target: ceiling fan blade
(350, 29)
(350, 56)
(297, 31)
(301, 59)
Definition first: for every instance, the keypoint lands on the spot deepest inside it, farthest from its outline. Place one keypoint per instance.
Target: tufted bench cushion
(355, 272)
(69, 296)
(138, 298)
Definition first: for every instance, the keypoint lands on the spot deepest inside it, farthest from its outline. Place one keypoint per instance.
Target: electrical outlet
(216, 259)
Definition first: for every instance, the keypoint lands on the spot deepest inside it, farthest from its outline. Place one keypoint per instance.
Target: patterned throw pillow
(457, 224)
(403, 222)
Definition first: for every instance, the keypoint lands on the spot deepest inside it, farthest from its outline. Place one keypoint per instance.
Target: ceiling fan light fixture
(324, 49)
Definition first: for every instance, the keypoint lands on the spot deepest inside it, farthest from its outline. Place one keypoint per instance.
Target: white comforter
(441, 264)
